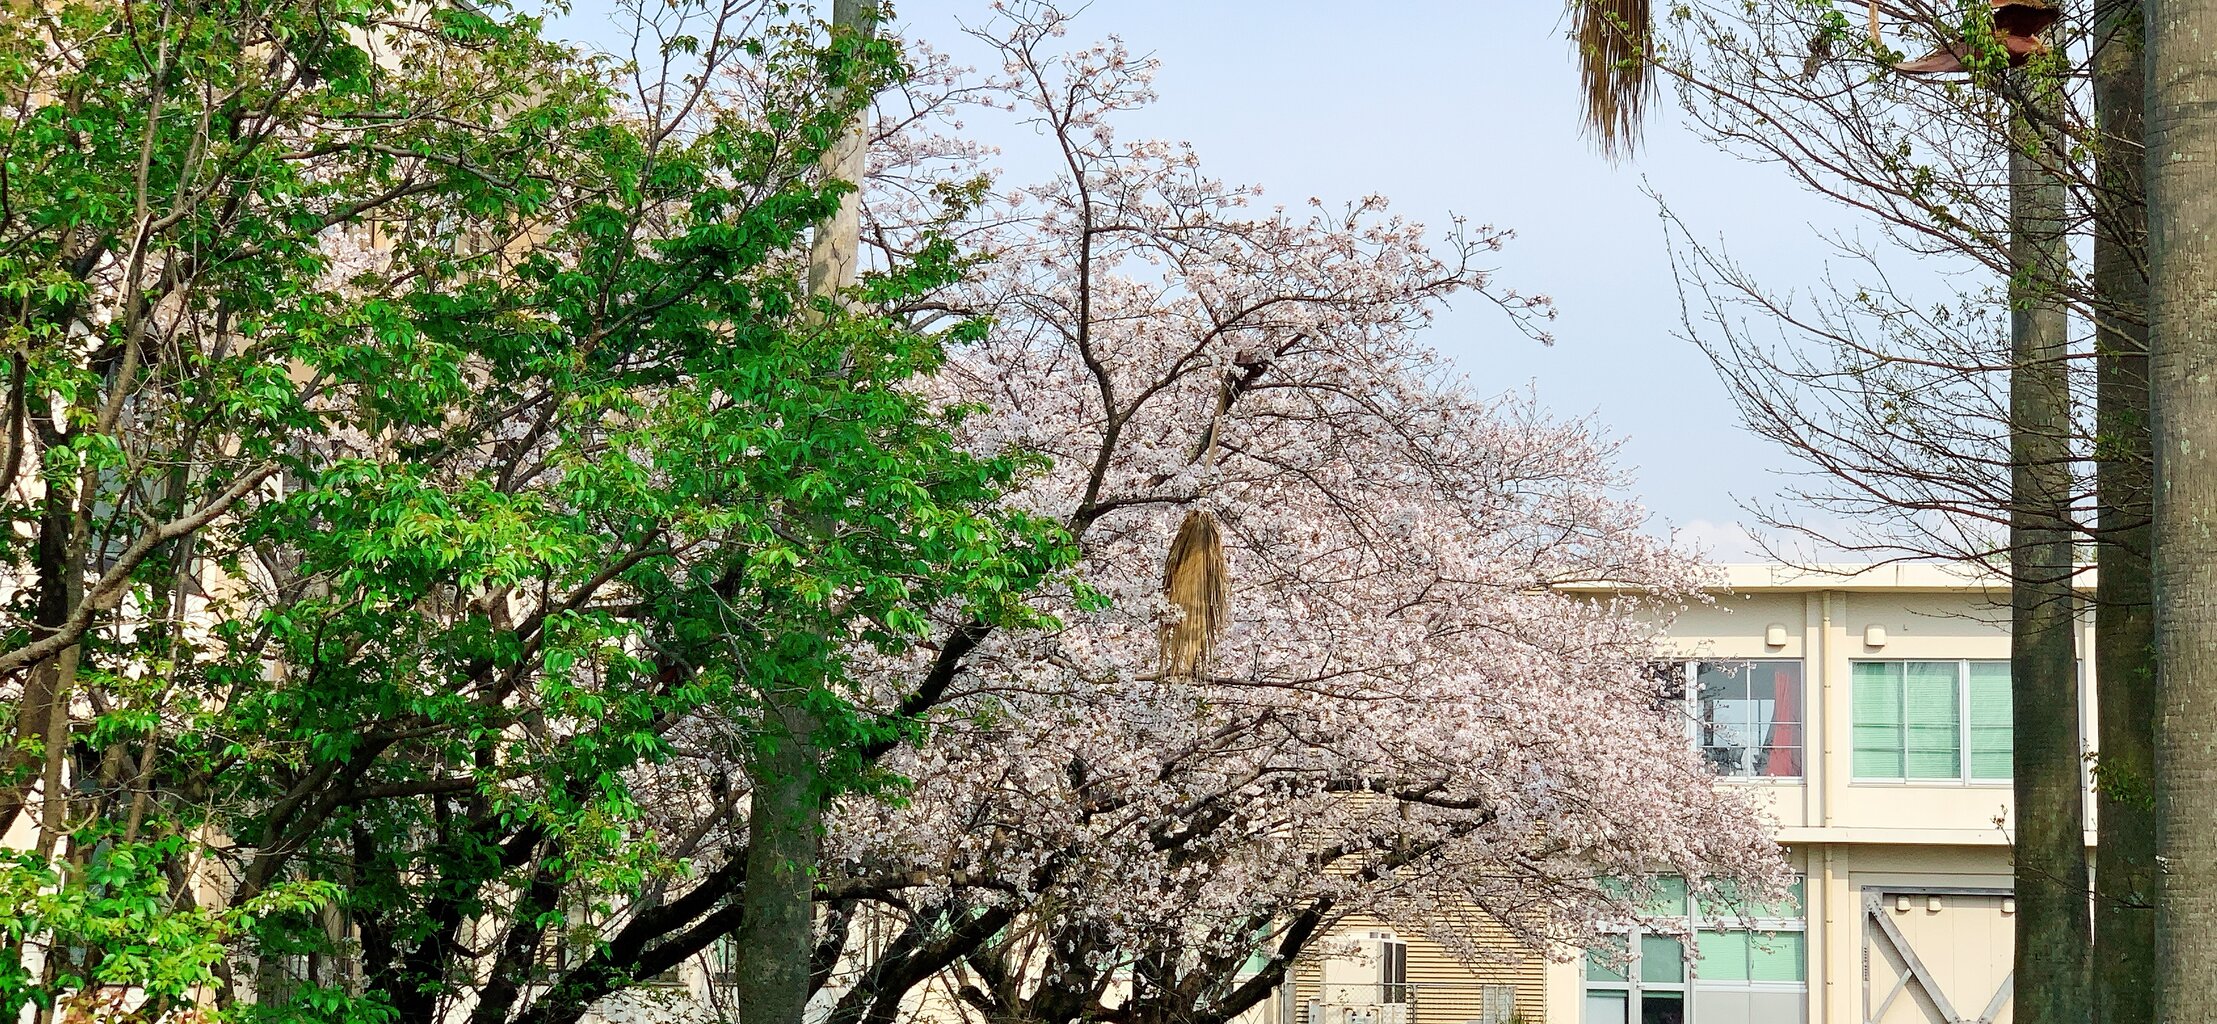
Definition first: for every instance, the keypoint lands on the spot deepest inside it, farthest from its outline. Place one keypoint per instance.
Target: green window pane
(1778, 956)
(1877, 716)
(1723, 956)
(1667, 897)
(1722, 901)
(1606, 961)
(1934, 732)
(1991, 733)
(1662, 959)
(1607, 1007)
(1797, 898)
(1726, 903)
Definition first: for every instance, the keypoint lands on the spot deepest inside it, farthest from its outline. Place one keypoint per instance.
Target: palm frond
(1194, 580)
(1614, 47)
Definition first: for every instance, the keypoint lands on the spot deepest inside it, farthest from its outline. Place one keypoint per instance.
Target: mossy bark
(2124, 619)
(2053, 930)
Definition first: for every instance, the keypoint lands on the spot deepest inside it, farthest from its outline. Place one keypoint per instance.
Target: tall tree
(1899, 411)
(419, 440)
(2182, 348)
(2124, 621)
(1075, 801)
(785, 811)
(1385, 728)
(2052, 929)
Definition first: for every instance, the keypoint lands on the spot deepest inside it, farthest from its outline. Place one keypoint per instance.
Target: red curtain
(1785, 724)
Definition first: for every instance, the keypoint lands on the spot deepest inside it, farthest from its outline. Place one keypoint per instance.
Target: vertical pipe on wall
(1827, 651)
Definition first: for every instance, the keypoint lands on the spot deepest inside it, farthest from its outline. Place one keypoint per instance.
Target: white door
(1936, 957)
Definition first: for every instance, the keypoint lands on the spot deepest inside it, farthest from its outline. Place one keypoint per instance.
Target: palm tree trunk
(2124, 620)
(2182, 348)
(2052, 921)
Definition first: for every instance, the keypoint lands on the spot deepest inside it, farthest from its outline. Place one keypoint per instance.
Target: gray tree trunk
(784, 836)
(2124, 620)
(2182, 347)
(786, 811)
(834, 251)
(2053, 929)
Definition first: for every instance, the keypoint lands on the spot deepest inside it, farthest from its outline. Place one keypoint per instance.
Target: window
(723, 960)
(1749, 717)
(1375, 969)
(1926, 720)
(1496, 1004)
(1746, 716)
(1703, 960)
(1393, 971)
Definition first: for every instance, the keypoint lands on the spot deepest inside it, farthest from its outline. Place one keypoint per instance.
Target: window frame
(1393, 971)
(1496, 1003)
(1686, 926)
(1685, 674)
(1963, 774)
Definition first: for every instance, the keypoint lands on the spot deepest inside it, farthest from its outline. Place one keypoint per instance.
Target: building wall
(1839, 877)
(1933, 853)
(1443, 988)
(1930, 858)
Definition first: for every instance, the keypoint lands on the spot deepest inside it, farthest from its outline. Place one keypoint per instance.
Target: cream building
(1868, 708)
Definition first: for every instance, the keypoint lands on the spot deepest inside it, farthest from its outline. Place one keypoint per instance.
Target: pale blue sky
(1470, 108)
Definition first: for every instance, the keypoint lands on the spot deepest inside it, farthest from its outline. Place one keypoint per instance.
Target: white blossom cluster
(1408, 716)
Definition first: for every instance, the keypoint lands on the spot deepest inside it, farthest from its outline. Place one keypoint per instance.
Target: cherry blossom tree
(1406, 716)
(1408, 711)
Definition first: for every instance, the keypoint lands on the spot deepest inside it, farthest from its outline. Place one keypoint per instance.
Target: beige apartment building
(1868, 708)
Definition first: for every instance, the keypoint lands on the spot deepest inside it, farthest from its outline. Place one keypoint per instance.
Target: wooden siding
(1443, 989)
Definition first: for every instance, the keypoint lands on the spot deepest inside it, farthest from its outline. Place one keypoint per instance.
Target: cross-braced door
(1936, 956)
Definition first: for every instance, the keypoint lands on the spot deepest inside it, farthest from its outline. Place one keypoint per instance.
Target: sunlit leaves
(562, 462)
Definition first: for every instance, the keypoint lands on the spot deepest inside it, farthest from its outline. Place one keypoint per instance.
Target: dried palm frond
(1193, 579)
(1614, 48)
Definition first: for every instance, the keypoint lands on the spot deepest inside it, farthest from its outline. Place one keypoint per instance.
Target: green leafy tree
(410, 437)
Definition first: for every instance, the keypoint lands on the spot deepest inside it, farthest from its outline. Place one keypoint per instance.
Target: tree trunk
(2124, 621)
(785, 813)
(2182, 346)
(784, 825)
(2052, 920)
(31, 756)
(834, 250)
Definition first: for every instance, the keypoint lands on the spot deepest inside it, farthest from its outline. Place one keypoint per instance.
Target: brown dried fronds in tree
(2017, 25)
(1193, 579)
(1614, 47)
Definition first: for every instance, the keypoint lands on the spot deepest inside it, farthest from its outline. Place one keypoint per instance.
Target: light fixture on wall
(1874, 636)
(1774, 635)
(1932, 903)
(2009, 906)
(1901, 904)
